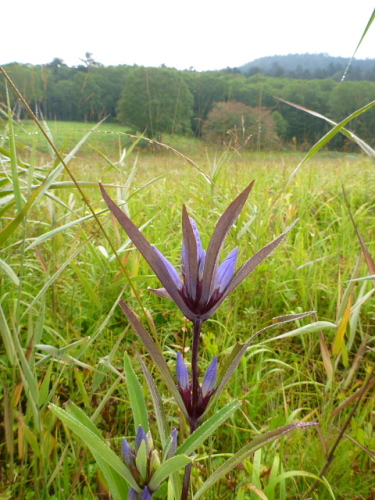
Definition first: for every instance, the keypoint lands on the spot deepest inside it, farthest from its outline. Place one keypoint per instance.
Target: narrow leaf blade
(156, 355)
(247, 450)
(137, 401)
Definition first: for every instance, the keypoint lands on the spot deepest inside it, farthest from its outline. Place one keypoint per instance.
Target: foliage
(156, 101)
(238, 125)
(164, 100)
(67, 286)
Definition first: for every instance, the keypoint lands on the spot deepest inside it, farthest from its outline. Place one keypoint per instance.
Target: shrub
(237, 125)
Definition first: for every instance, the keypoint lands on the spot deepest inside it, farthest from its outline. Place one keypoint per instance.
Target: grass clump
(63, 336)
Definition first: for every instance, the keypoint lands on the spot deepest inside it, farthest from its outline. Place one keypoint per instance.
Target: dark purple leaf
(221, 230)
(147, 251)
(190, 255)
(156, 355)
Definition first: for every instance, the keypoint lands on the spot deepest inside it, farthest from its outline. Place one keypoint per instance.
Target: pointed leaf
(338, 342)
(369, 260)
(95, 444)
(141, 460)
(148, 253)
(239, 350)
(169, 467)
(79, 415)
(207, 428)
(156, 355)
(312, 327)
(255, 260)
(362, 144)
(317, 146)
(247, 450)
(158, 405)
(190, 252)
(9, 272)
(137, 401)
(221, 230)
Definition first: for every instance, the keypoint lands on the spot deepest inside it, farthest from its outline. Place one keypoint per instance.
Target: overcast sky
(203, 34)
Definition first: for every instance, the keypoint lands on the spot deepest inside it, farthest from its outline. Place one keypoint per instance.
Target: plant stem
(195, 399)
(194, 367)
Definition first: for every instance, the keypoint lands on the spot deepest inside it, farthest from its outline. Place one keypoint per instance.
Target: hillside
(310, 66)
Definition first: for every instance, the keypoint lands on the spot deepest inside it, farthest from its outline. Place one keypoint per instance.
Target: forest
(220, 106)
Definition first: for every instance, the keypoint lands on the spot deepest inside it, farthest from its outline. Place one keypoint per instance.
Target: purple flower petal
(127, 453)
(226, 270)
(209, 380)
(160, 292)
(201, 253)
(182, 373)
(141, 435)
(146, 495)
(173, 447)
(171, 270)
(133, 495)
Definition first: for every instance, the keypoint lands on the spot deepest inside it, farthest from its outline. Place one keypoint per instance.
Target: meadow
(64, 336)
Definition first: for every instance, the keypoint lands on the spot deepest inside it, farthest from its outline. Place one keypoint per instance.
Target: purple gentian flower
(204, 283)
(146, 495)
(141, 436)
(127, 454)
(205, 391)
(209, 381)
(133, 495)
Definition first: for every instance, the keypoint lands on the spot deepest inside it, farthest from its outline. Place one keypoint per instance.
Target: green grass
(77, 282)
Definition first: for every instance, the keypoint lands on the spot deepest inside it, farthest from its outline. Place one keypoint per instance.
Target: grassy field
(64, 337)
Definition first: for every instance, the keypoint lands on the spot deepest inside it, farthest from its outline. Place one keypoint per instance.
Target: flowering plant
(201, 288)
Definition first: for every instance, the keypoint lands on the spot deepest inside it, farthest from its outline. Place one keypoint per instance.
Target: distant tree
(281, 124)
(207, 87)
(28, 80)
(346, 98)
(254, 70)
(156, 100)
(238, 125)
(90, 62)
(314, 95)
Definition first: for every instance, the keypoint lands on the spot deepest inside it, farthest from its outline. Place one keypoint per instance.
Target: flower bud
(154, 461)
(209, 380)
(141, 436)
(127, 454)
(182, 373)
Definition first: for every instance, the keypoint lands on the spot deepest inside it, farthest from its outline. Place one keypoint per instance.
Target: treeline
(165, 100)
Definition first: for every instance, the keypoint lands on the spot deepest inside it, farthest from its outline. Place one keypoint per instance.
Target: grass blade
(137, 401)
(246, 451)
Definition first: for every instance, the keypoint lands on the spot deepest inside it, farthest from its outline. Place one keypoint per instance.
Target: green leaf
(141, 460)
(313, 327)
(137, 401)
(317, 146)
(167, 469)
(247, 450)
(53, 278)
(155, 353)
(158, 405)
(7, 338)
(207, 428)
(13, 224)
(9, 272)
(81, 416)
(234, 358)
(86, 285)
(97, 446)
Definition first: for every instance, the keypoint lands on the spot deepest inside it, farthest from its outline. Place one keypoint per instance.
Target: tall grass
(63, 337)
